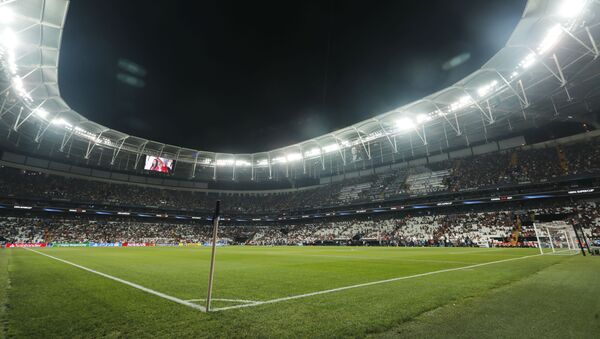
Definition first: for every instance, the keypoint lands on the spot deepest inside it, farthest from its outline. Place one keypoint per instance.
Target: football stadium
(469, 211)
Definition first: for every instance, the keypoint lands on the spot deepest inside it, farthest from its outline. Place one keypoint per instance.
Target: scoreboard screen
(158, 164)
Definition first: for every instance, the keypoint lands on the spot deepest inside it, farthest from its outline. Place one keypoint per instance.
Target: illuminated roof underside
(544, 67)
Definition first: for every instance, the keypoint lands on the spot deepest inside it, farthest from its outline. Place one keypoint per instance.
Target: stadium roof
(546, 66)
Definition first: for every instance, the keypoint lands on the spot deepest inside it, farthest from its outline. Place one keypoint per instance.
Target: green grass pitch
(534, 296)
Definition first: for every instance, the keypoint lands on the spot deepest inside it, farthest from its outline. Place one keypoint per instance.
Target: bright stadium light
(552, 37)
(486, 89)
(61, 122)
(40, 112)
(17, 83)
(405, 124)
(421, 118)
(331, 148)
(571, 8)
(8, 39)
(18, 86)
(529, 60)
(312, 152)
(281, 159)
(461, 103)
(11, 64)
(225, 162)
(242, 163)
(6, 15)
(293, 156)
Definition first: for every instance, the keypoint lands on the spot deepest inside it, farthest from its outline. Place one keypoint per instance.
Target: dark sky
(246, 76)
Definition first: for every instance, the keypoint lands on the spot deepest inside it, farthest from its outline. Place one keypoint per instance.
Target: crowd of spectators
(535, 165)
(501, 168)
(429, 229)
(582, 157)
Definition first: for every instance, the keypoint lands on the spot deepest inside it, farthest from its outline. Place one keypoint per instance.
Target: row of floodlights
(568, 9)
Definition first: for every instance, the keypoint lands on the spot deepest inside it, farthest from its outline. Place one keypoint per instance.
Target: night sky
(252, 76)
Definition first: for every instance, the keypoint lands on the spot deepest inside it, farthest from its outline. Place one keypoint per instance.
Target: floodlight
(460, 103)
(225, 162)
(529, 60)
(8, 38)
(421, 118)
(19, 87)
(331, 148)
(242, 163)
(552, 37)
(313, 152)
(486, 89)
(293, 156)
(6, 15)
(11, 64)
(405, 124)
(483, 90)
(40, 112)
(17, 83)
(571, 8)
(61, 122)
(281, 159)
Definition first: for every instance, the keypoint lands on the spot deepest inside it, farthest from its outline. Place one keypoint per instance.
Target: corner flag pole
(212, 256)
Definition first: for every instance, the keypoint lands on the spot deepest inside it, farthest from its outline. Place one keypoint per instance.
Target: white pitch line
(395, 259)
(134, 285)
(370, 284)
(231, 300)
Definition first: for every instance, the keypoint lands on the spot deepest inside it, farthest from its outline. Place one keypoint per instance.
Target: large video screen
(158, 164)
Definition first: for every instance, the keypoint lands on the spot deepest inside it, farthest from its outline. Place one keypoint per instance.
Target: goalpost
(557, 238)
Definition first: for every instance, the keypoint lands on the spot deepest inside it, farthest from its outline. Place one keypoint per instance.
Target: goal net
(556, 237)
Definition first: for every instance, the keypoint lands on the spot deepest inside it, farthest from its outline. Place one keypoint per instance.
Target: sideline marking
(396, 259)
(134, 285)
(272, 301)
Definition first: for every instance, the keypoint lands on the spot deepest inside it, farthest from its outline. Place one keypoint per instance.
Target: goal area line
(253, 303)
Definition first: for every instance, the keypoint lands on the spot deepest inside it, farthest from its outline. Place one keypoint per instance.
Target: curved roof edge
(30, 41)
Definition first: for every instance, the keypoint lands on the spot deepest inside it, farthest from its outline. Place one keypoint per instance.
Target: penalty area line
(272, 301)
(128, 283)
